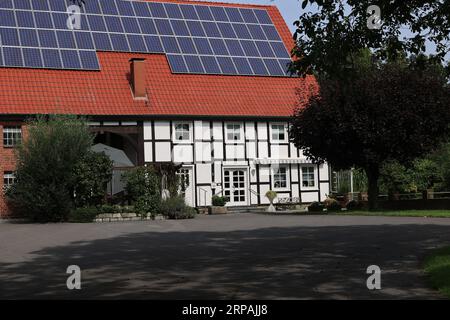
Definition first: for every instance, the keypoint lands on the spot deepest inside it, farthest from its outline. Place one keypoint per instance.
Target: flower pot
(218, 210)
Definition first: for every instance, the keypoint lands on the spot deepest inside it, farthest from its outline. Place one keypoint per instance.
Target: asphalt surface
(237, 256)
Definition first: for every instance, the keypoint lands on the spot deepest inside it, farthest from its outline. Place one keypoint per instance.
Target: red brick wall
(7, 163)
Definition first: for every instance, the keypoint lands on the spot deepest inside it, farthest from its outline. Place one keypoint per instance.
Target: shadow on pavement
(270, 263)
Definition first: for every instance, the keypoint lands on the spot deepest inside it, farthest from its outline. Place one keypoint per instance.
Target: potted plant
(271, 195)
(218, 205)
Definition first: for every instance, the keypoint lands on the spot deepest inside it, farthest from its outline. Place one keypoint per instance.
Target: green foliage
(92, 174)
(218, 201)
(46, 161)
(86, 214)
(271, 195)
(353, 205)
(437, 268)
(316, 207)
(387, 114)
(330, 39)
(143, 187)
(176, 208)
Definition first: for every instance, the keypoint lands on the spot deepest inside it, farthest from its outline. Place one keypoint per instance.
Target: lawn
(437, 268)
(399, 213)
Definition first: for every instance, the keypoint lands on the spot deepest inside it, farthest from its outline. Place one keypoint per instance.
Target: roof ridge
(226, 4)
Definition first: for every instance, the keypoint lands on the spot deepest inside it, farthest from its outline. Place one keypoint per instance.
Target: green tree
(329, 39)
(92, 174)
(143, 187)
(46, 161)
(392, 112)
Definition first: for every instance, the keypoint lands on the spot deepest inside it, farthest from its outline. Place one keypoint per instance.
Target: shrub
(316, 207)
(46, 162)
(143, 189)
(353, 205)
(86, 214)
(92, 174)
(219, 201)
(332, 204)
(176, 208)
(106, 208)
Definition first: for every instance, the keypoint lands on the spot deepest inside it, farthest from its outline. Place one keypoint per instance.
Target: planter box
(218, 210)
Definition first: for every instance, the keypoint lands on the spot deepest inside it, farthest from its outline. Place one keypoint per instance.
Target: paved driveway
(241, 256)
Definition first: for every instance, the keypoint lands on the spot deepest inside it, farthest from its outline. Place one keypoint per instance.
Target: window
(11, 136)
(308, 177)
(278, 132)
(8, 180)
(234, 132)
(280, 178)
(182, 132)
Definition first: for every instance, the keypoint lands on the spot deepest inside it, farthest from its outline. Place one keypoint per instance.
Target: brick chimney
(137, 71)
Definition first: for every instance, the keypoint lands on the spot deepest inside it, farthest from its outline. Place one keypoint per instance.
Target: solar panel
(189, 12)
(32, 57)
(173, 10)
(84, 40)
(243, 66)
(25, 19)
(52, 58)
(219, 13)
(203, 46)
(219, 47)
(70, 59)
(28, 38)
(210, 39)
(210, 64)
(258, 66)
(227, 30)
(147, 26)
(180, 28)
(204, 13)
(153, 44)
(119, 42)
(177, 63)
(12, 56)
(7, 18)
(194, 64)
(227, 66)
(130, 25)
(43, 20)
(187, 45)
(47, 38)
(196, 29)
(89, 60)
(137, 43)
(22, 4)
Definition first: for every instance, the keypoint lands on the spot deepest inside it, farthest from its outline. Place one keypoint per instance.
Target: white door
(235, 187)
(186, 188)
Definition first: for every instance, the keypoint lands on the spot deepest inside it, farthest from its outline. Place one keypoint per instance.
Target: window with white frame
(9, 179)
(308, 177)
(234, 132)
(11, 136)
(278, 132)
(182, 132)
(280, 177)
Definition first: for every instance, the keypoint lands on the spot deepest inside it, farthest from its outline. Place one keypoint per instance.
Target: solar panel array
(198, 39)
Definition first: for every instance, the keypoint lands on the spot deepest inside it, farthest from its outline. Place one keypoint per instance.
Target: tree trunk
(373, 173)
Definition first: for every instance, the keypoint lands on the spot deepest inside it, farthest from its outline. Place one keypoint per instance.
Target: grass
(437, 268)
(399, 213)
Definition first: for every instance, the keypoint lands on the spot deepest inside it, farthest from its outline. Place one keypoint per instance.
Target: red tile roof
(107, 92)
